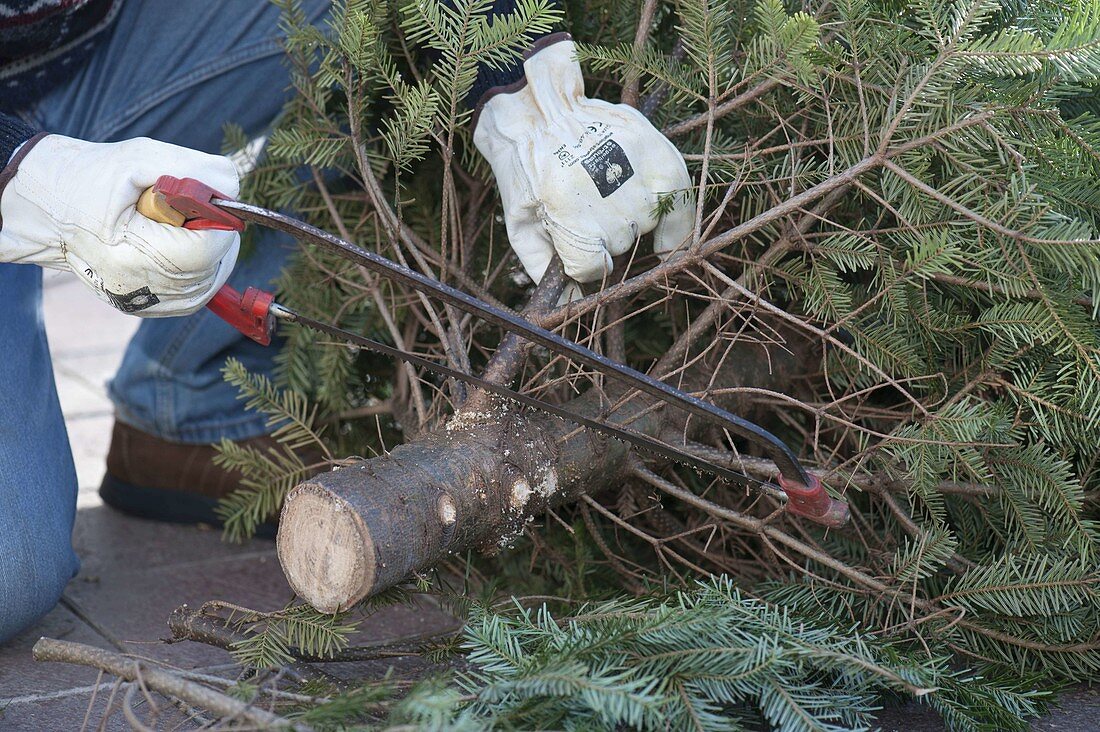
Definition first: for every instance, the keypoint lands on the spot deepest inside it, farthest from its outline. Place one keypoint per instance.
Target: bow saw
(193, 205)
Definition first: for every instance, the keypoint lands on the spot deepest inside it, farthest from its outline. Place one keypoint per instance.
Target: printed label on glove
(608, 166)
(593, 135)
(134, 301)
(130, 302)
(602, 157)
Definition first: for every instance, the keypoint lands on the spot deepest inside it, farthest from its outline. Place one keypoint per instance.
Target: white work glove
(576, 175)
(71, 205)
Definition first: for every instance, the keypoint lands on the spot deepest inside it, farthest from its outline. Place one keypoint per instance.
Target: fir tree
(913, 189)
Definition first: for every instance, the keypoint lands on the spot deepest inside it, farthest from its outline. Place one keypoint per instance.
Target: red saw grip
(813, 502)
(190, 203)
(249, 313)
(194, 199)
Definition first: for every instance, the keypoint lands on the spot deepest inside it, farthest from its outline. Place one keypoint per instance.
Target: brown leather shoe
(169, 481)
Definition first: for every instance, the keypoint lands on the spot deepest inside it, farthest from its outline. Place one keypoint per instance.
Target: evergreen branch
(909, 202)
(684, 260)
(974, 216)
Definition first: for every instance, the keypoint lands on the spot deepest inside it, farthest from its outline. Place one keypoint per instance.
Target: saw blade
(789, 465)
(618, 432)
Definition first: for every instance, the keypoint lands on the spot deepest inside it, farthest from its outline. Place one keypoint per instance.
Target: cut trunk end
(325, 549)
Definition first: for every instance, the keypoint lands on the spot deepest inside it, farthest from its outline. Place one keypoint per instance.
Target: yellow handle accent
(152, 205)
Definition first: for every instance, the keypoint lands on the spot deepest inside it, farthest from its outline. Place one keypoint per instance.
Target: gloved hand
(576, 175)
(71, 205)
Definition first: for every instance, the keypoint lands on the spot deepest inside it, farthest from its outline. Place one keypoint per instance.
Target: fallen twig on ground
(162, 681)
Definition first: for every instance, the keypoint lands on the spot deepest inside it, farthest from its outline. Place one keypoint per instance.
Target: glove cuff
(13, 133)
(12, 167)
(514, 79)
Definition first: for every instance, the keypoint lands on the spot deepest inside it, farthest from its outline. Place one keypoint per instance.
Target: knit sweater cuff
(13, 133)
(488, 77)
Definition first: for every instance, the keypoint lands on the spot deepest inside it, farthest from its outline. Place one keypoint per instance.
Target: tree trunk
(477, 482)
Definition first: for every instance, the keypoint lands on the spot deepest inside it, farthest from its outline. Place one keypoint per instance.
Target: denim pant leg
(170, 382)
(37, 477)
(177, 71)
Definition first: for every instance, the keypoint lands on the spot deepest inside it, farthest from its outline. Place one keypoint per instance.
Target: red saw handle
(249, 313)
(190, 203)
(813, 502)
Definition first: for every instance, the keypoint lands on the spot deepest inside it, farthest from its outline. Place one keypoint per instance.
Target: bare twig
(641, 37)
(687, 259)
(165, 682)
(682, 128)
(508, 359)
(195, 625)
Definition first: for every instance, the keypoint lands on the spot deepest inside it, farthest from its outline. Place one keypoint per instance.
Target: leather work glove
(71, 205)
(577, 175)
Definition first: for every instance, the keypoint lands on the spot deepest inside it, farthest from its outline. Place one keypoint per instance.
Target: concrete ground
(136, 572)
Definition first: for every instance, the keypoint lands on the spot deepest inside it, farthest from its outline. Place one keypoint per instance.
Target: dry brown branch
(685, 259)
(214, 630)
(510, 355)
(641, 37)
(403, 239)
(162, 681)
(681, 128)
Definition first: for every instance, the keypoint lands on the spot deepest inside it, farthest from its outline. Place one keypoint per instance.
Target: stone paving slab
(61, 712)
(132, 608)
(135, 573)
(105, 540)
(20, 675)
(94, 707)
(87, 339)
(1077, 711)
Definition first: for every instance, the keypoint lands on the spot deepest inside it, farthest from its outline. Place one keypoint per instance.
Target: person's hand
(576, 175)
(71, 205)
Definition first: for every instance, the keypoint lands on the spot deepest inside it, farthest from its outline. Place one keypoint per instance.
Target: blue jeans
(174, 71)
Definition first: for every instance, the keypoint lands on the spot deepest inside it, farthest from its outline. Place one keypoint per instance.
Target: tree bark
(478, 481)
